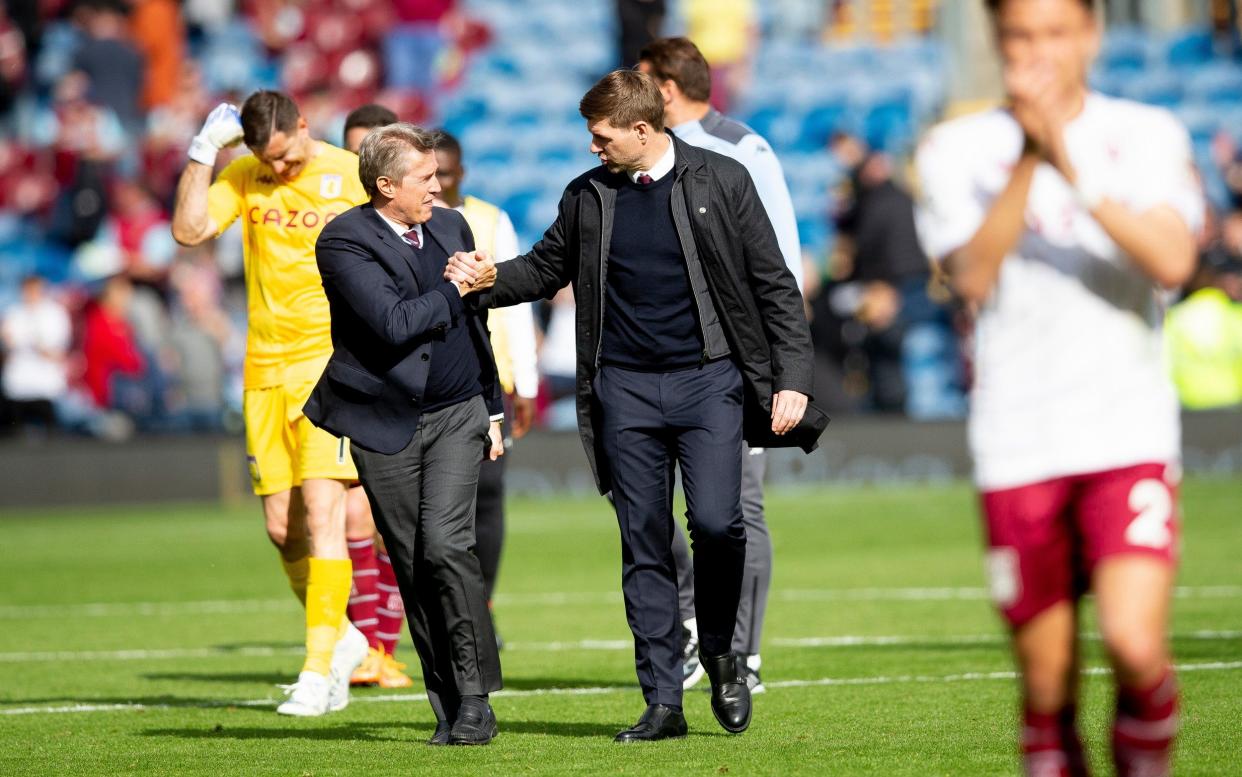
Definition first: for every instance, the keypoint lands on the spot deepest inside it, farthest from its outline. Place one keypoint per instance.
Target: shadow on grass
(388, 732)
(346, 732)
(560, 728)
(263, 678)
(551, 683)
(163, 701)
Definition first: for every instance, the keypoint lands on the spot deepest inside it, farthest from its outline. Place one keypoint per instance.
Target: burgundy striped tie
(412, 237)
(644, 179)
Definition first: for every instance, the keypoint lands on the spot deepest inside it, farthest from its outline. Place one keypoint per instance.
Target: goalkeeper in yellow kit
(284, 193)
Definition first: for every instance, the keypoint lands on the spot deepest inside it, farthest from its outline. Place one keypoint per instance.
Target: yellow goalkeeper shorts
(283, 447)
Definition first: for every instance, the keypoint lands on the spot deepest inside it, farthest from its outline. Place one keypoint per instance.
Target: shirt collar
(693, 124)
(401, 230)
(659, 169)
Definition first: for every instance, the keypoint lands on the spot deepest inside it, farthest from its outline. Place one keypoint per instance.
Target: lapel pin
(702, 210)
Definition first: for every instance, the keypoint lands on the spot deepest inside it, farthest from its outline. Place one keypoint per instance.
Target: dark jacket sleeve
(775, 293)
(546, 269)
(350, 270)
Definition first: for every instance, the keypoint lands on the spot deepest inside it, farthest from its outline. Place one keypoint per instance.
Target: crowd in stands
(109, 327)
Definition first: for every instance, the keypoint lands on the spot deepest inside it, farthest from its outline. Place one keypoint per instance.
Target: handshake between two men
(476, 271)
(471, 271)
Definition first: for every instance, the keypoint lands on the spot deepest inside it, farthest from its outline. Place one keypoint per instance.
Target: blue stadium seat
(1125, 49)
(1111, 82)
(409, 54)
(888, 125)
(1156, 87)
(1218, 83)
(1190, 47)
(821, 122)
(1202, 121)
(813, 232)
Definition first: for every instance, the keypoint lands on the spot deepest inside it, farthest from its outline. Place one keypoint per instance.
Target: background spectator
(36, 337)
(110, 350)
(156, 29)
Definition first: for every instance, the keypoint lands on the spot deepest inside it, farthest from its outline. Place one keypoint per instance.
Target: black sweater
(649, 316)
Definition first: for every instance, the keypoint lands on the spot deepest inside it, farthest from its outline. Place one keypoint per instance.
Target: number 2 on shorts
(1152, 501)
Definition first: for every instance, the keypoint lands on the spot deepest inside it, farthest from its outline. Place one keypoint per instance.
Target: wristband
(203, 151)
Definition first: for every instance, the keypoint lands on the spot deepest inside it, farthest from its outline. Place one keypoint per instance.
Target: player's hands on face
(1036, 102)
(471, 271)
(221, 129)
(497, 448)
(787, 410)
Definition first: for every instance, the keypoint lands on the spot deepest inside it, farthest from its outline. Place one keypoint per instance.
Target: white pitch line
(147, 609)
(836, 641)
(84, 707)
(551, 599)
(145, 655)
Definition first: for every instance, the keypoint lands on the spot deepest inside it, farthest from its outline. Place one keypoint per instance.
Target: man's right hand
(222, 129)
(471, 271)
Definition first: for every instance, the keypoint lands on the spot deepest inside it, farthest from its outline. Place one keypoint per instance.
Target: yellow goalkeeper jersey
(289, 333)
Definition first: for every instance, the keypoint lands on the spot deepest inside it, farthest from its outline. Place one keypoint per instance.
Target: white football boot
(348, 654)
(308, 697)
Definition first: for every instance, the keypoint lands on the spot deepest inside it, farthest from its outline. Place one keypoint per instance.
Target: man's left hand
(787, 410)
(498, 441)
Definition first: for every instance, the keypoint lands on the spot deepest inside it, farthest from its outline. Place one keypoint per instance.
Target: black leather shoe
(475, 724)
(730, 696)
(441, 737)
(659, 721)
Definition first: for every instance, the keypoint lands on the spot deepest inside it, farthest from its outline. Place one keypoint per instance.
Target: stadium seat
(1125, 49)
(821, 122)
(1190, 47)
(1156, 87)
(1202, 121)
(1218, 83)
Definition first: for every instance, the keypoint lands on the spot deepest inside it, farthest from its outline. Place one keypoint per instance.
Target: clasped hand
(471, 271)
(1042, 110)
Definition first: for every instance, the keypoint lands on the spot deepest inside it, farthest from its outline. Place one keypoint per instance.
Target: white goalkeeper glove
(222, 129)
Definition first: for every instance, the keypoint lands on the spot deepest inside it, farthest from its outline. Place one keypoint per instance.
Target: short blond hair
(384, 152)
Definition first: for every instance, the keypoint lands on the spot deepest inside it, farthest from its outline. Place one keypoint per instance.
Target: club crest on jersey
(330, 185)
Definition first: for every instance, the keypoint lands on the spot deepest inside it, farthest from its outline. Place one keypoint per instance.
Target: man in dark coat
(413, 385)
(691, 336)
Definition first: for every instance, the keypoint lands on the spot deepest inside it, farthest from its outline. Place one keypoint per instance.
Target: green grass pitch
(150, 641)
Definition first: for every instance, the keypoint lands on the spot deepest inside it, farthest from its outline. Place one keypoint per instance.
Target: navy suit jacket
(385, 320)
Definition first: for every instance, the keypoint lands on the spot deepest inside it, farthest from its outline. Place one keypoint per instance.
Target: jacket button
(424, 357)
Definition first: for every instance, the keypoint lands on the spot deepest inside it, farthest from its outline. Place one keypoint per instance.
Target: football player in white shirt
(1064, 217)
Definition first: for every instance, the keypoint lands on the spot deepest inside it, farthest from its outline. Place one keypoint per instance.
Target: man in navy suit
(412, 383)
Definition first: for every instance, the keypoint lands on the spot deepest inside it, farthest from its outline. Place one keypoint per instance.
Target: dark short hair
(383, 153)
(624, 98)
(680, 61)
(446, 142)
(995, 5)
(264, 114)
(369, 116)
